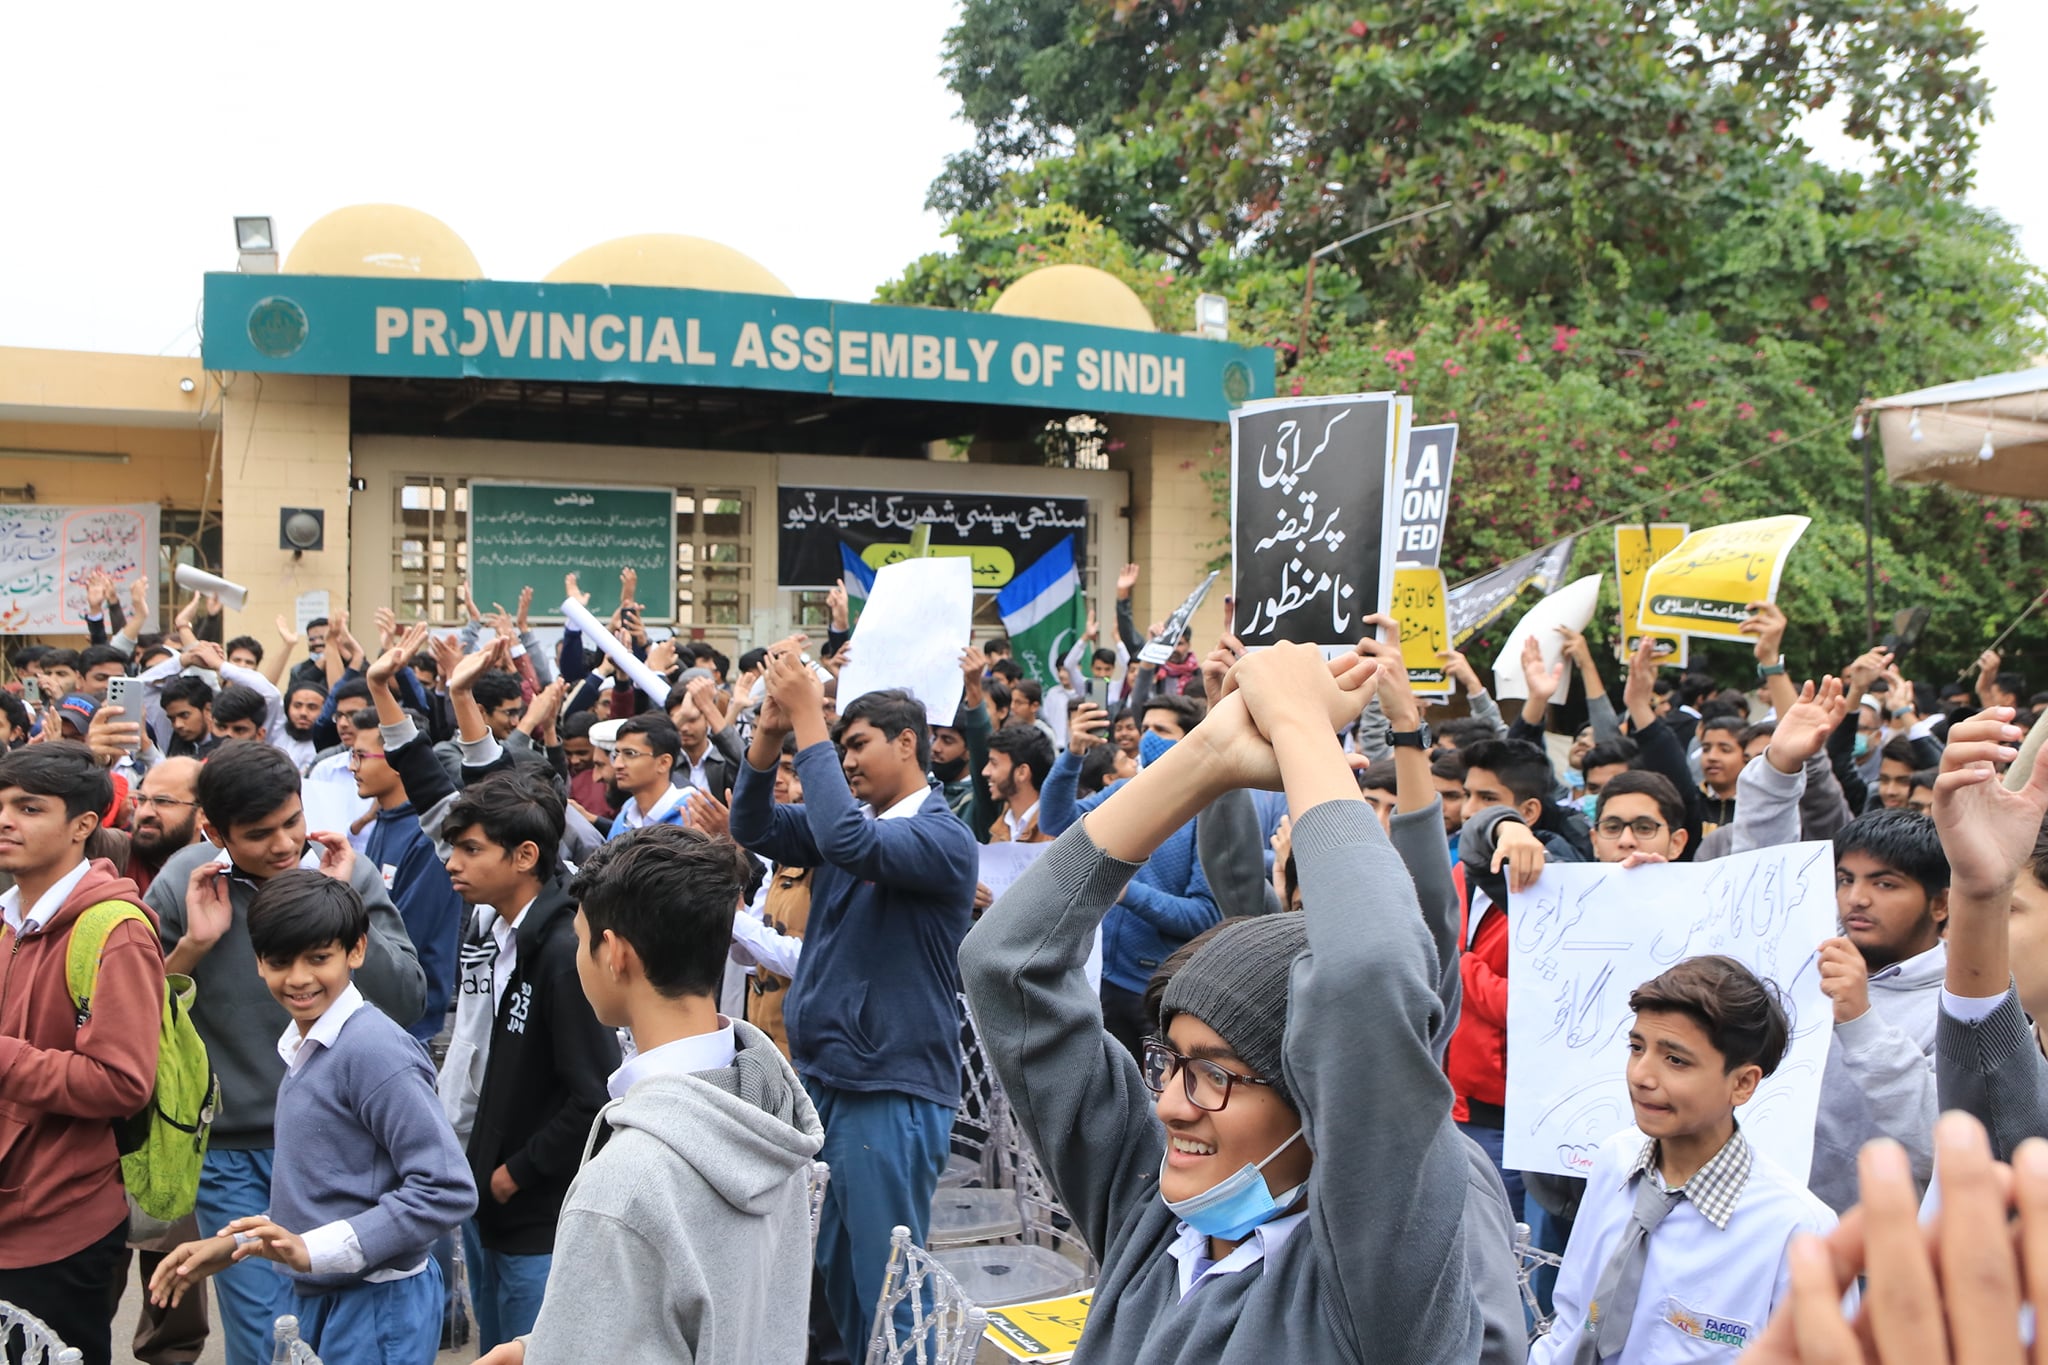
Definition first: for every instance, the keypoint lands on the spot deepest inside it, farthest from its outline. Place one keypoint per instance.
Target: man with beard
(302, 706)
(960, 750)
(166, 818)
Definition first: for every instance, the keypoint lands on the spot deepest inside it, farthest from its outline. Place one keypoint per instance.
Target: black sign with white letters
(1313, 517)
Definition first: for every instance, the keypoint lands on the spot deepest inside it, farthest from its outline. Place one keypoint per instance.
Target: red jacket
(62, 1084)
(1477, 1060)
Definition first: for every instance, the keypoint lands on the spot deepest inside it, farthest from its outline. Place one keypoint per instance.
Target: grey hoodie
(687, 1235)
(1880, 1078)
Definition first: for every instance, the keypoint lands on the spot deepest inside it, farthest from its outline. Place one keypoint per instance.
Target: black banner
(1003, 535)
(1312, 517)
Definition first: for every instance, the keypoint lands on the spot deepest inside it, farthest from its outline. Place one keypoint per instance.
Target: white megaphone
(232, 595)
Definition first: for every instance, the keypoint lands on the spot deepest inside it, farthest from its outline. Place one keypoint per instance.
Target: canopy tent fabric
(1939, 434)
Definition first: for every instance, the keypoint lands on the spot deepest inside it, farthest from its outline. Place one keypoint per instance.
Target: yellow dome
(382, 239)
(667, 260)
(1075, 293)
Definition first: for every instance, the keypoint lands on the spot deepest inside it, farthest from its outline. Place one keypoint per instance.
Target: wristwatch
(1421, 737)
(1776, 670)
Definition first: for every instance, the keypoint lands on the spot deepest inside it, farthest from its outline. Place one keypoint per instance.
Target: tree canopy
(1642, 274)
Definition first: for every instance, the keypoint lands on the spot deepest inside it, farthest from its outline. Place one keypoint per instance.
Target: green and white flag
(1043, 612)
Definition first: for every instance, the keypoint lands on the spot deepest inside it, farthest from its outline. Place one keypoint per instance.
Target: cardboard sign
(1633, 557)
(1422, 606)
(1048, 1330)
(1705, 586)
(1313, 515)
(1425, 494)
(1587, 934)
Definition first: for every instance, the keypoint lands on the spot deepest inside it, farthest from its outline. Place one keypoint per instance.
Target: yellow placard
(1422, 606)
(1632, 561)
(1705, 586)
(994, 566)
(1048, 1330)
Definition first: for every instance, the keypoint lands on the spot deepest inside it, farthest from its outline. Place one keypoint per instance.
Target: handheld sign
(1705, 586)
(1587, 934)
(1425, 494)
(1160, 648)
(1313, 516)
(1478, 602)
(1571, 605)
(919, 615)
(1422, 607)
(1636, 548)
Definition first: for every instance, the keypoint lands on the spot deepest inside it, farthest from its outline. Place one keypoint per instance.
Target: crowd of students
(589, 980)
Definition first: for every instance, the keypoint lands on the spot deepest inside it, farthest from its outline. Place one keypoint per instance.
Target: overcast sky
(803, 133)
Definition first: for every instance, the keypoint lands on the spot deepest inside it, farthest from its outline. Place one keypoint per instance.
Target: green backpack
(163, 1146)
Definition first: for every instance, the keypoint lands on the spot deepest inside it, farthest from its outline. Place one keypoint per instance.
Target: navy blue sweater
(1167, 903)
(874, 1005)
(405, 858)
(361, 1137)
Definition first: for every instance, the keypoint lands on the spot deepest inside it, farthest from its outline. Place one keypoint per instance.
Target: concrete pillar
(1176, 525)
(285, 443)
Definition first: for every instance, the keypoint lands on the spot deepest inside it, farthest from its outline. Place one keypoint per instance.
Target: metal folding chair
(24, 1333)
(1529, 1258)
(946, 1326)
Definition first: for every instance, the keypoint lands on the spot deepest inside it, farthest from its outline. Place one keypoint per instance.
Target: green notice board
(523, 534)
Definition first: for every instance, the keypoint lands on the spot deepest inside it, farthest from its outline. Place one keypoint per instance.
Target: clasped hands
(1265, 693)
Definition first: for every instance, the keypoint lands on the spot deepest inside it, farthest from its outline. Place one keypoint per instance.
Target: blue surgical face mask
(1233, 1206)
(1151, 747)
(1589, 805)
(1862, 745)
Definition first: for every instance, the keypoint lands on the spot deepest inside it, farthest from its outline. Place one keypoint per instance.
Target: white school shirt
(630, 816)
(332, 1248)
(713, 1051)
(1191, 1251)
(1707, 1291)
(51, 901)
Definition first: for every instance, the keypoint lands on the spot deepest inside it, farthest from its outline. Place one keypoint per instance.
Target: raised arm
(1768, 792)
(1986, 1058)
(1389, 1163)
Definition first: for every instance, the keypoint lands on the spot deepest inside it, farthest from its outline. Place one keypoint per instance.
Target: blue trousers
(252, 1295)
(886, 1151)
(1492, 1139)
(397, 1322)
(505, 1290)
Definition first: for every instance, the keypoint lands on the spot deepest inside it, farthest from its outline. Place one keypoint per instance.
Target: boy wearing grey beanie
(1253, 1191)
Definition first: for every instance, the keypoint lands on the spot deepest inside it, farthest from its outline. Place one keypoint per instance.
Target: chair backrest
(27, 1338)
(820, 1177)
(983, 1122)
(1530, 1258)
(286, 1334)
(944, 1328)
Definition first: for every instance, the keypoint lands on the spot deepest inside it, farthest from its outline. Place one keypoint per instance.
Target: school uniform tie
(1614, 1297)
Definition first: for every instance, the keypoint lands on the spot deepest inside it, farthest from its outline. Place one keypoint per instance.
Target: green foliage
(1643, 278)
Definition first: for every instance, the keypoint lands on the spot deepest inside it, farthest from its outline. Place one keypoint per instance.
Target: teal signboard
(593, 333)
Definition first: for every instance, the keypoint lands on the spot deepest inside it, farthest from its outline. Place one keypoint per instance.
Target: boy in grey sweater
(368, 1174)
(1294, 1185)
(686, 1236)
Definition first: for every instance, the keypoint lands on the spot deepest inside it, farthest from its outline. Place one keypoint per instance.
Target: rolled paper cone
(645, 678)
(2030, 749)
(232, 595)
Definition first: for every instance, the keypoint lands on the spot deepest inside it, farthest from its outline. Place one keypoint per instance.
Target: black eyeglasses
(1643, 827)
(1205, 1083)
